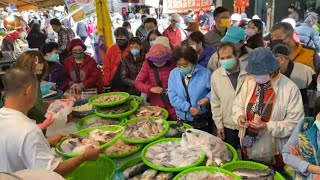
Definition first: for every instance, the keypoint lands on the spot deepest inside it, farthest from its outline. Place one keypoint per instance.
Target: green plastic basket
(118, 156)
(130, 163)
(124, 94)
(134, 106)
(85, 133)
(205, 168)
(102, 169)
(187, 126)
(234, 152)
(143, 141)
(80, 124)
(232, 166)
(138, 99)
(166, 169)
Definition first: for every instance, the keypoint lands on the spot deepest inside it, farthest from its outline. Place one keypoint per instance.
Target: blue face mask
(177, 25)
(317, 123)
(54, 58)
(185, 71)
(228, 63)
(135, 51)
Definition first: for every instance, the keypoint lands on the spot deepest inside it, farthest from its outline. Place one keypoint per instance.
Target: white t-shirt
(22, 144)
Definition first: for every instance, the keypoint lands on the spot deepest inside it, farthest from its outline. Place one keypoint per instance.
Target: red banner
(182, 6)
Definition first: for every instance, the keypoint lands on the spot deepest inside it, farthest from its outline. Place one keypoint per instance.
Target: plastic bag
(60, 109)
(262, 149)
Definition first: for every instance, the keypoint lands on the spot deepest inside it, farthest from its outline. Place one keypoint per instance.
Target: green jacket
(37, 112)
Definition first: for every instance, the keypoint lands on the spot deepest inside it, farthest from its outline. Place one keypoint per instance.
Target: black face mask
(39, 77)
(122, 43)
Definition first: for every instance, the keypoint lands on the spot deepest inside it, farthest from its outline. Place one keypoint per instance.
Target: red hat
(77, 42)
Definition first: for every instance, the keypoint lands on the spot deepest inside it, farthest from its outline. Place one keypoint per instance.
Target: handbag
(164, 94)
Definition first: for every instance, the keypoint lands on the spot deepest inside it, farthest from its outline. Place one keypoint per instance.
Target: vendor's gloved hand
(47, 122)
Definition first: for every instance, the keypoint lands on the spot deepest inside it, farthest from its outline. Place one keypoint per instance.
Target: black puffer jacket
(130, 69)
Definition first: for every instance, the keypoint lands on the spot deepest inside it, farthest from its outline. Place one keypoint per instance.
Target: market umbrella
(104, 22)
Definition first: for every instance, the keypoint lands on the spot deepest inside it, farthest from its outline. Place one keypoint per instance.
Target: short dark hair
(287, 27)
(126, 24)
(135, 40)
(187, 53)
(279, 47)
(197, 37)
(55, 21)
(143, 16)
(16, 79)
(49, 47)
(153, 32)
(292, 7)
(151, 20)
(121, 31)
(219, 10)
(228, 44)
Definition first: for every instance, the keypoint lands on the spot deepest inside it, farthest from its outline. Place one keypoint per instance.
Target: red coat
(90, 75)
(111, 62)
(174, 36)
(146, 80)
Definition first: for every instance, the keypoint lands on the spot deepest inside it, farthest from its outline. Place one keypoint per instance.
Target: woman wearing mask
(153, 77)
(34, 62)
(189, 89)
(111, 62)
(82, 71)
(196, 41)
(267, 109)
(131, 65)
(302, 149)
(56, 72)
(149, 41)
(254, 34)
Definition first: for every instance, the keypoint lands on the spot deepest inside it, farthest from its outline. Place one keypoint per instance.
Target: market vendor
(267, 109)
(22, 144)
(34, 62)
(154, 75)
(302, 149)
(56, 72)
(189, 89)
(82, 71)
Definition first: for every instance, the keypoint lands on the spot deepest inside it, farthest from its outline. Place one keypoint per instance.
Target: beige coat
(222, 97)
(287, 109)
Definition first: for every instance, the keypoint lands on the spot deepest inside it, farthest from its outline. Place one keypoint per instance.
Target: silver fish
(149, 174)
(134, 170)
(252, 174)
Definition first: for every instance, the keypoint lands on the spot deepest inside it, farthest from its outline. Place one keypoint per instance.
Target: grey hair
(311, 19)
(286, 27)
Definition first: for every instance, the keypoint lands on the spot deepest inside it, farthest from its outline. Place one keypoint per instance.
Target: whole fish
(252, 174)
(164, 176)
(134, 170)
(149, 174)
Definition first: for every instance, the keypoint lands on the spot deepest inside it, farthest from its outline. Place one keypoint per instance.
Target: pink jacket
(92, 28)
(146, 80)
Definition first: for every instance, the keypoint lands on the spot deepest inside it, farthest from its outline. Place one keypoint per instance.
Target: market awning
(31, 4)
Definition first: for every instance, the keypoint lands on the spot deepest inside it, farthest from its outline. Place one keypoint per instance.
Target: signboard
(80, 8)
(152, 3)
(182, 6)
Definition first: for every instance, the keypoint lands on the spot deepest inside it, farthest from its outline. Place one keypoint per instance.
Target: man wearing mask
(150, 24)
(112, 60)
(267, 109)
(222, 22)
(174, 32)
(226, 83)
(298, 52)
(65, 35)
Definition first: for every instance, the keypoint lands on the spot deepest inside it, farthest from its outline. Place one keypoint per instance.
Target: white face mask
(152, 43)
(194, 47)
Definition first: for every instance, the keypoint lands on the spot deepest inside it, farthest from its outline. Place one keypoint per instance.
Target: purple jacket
(57, 75)
(206, 55)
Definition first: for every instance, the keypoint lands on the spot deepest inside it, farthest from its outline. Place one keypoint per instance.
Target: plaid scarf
(260, 91)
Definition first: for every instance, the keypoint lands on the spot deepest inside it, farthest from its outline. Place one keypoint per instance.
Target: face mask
(78, 55)
(250, 32)
(54, 58)
(152, 43)
(159, 64)
(317, 123)
(194, 47)
(261, 79)
(225, 23)
(135, 51)
(122, 43)
(185, 71)
(177, 25)
(228, 63)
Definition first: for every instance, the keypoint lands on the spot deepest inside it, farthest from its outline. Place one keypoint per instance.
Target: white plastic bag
(60, 109)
